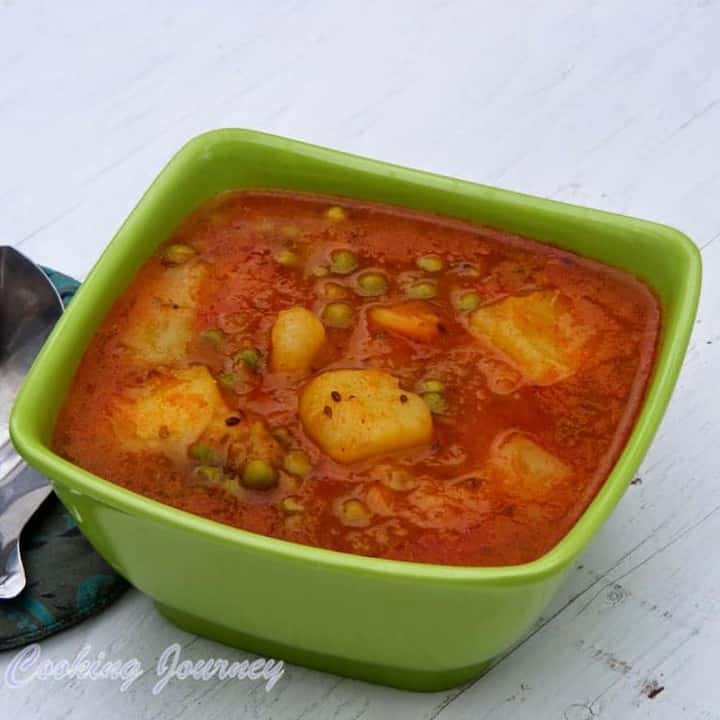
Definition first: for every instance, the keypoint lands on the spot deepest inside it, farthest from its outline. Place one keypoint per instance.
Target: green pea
(259, 475)
(436, 402)
(203, 454)
(468, 301)
(297, 463)
(177, 254)
(372, 283)
(227, 379)
(343, 262)
(430, 263)
(287, 258)
(208, 474)
(231, 485)
(335, 213)
(213, 336)
(422, 290)
(291, 505)
(337, 315)
(250, 357)
(431, 385)
(354, 513)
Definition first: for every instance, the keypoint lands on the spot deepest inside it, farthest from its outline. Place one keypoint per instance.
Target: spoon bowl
(29, 308)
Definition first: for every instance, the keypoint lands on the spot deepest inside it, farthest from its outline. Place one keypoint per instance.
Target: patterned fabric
(67, 580)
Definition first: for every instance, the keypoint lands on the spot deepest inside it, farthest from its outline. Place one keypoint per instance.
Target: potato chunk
(163, 318)
(160, 337)
(179, 285)
(168, 412)
(297, 336)
(355, 414)
(414, 319)
(536, 332)
(182, 411)
(524, 467)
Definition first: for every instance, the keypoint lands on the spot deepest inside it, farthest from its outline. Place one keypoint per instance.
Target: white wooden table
(612, 104)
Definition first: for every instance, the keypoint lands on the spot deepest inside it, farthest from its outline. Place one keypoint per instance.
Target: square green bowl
(411, 625)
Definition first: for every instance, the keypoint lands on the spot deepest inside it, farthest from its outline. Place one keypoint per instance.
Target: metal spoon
(29, 308)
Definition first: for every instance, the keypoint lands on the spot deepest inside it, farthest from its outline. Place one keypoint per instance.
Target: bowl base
(416, 680)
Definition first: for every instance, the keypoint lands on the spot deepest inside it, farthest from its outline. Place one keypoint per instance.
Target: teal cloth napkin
(67, 581)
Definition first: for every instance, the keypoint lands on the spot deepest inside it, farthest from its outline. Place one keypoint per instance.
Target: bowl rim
(77, 480)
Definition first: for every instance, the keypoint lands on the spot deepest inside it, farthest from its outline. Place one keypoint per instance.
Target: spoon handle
(12, 577)
(21, 493)
(30, 305)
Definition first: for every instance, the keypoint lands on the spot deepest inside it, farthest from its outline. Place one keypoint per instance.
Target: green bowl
(411, 625)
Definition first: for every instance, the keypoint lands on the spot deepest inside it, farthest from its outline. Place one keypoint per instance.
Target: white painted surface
(610, 104)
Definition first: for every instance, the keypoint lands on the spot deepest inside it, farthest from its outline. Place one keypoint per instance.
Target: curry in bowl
(366, 379)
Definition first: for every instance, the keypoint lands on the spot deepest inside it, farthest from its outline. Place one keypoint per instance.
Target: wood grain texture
(614, 105)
